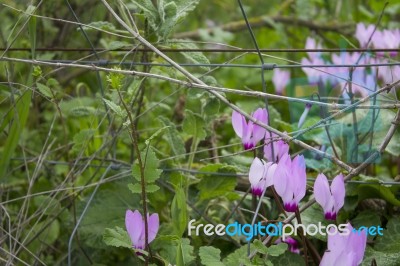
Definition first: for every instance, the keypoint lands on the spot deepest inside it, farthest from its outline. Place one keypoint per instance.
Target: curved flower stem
(302, 235)
(134, 139)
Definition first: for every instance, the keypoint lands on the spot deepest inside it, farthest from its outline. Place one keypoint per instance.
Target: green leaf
(147, 141)
(115, 108)
(274, 250)
(239, 256)
(390, 241)
(367, 191)
(179, 211)
(381, 257)
(173, 137)
(20, 117)
(288, 259)
(192, 57)
(136, 188)
(117, 237)
(179, 256)
(151, 171)
(95, 25)
(210, 256)
(149, 11)
(194, 125)
(212, 186)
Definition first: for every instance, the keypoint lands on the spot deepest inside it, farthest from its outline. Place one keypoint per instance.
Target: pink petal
(300, 178)
(260, 115)
(321, 191)
(281, 178)
(338, 191)
(134, 225)
(239, 123)
(153, 225)
(256, 171)
(270, 173)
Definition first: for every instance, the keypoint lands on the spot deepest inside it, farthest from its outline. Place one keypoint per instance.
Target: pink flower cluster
(288, 177)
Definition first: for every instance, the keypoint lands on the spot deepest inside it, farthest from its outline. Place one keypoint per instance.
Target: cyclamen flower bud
(304, 115)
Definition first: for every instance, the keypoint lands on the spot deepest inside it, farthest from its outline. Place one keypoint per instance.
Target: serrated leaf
(194, 125)
(151, 171)
(117, 237)
(149, 11)
(147, 141)
(211, 186)
(239, 256)
(192, 57)
(115, 108)
(179, 211)
(173, 137)
(210, 256)
(46, 91)
(103, 25)
(381, 257)
(274, 250)
(136, 188)
(390, 241)
(211, 108)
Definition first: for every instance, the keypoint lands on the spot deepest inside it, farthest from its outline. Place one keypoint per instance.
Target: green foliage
(61, 127)
(166, 15)
(273, 251)
(385, 251)
(179, 212)
(173, 137)
(211, 186)
(210, 256)
(150, 166)
(117, 237)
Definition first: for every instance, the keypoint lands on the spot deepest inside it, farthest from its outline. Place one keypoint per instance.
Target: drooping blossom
(261, 175)
(292, 244)
(135, 226)
(331, 198)
(280, 79)
(280, 147)
(304, 115)
(249, 132)
(290, 181)
(346, 250)
(363, 33)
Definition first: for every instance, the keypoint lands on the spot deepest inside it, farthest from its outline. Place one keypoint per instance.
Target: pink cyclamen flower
(290, 181)
(249, 132)
(345, 249)
(330, 198)
(292, 244)
(280, 79)
(304, 115)
(363, 33)
(280, 147)
(135, 226)
(261, 175)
